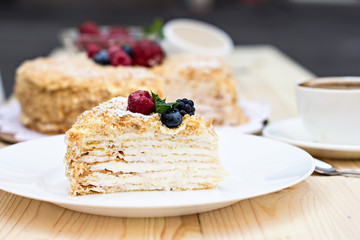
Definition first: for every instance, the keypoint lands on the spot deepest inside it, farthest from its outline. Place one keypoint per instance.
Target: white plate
(13, 131)
(293, 131)
(257, 166)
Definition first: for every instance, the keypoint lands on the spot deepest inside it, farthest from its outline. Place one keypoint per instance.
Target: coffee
(332, 83)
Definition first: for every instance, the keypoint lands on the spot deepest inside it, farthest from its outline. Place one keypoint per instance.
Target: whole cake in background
(53, 91)
(140, 144)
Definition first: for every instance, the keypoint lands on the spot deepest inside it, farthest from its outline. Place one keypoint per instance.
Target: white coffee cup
(330, 109)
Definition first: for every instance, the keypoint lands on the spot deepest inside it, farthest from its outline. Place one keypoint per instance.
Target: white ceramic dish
(193, 36)
(13, 131)
(257, 166)
(293, 131)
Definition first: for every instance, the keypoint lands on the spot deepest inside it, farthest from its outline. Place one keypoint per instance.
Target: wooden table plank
(317, 208)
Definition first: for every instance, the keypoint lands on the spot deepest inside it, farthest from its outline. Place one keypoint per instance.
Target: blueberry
(185, 106)
(171, 118)
(183, 112)
(180, 105)
(127, 49)
(102, 58)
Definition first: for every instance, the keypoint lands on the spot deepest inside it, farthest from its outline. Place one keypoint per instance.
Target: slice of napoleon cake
(140, 144)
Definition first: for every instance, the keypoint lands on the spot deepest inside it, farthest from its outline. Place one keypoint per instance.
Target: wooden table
(318, 208)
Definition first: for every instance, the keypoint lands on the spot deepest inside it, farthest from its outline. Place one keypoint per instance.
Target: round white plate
(13, 131)
(293, 131)
(257, 166)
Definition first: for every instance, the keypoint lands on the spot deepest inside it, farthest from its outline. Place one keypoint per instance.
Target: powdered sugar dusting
(116, 107)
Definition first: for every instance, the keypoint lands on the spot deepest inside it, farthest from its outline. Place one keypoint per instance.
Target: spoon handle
(348, 173)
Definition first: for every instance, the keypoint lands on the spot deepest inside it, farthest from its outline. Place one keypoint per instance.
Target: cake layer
(133, 149)
(142, 167)
(139, 187)
(165, 180)
(134, 158)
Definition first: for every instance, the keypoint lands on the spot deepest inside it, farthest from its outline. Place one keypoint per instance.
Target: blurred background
(322, 35)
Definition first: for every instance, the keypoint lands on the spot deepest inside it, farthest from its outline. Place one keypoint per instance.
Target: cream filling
(151, 138)
(133, 156)
(156, 180)
(131, 148)
(152, 167)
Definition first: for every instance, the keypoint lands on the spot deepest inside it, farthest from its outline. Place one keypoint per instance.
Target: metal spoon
(327, 169)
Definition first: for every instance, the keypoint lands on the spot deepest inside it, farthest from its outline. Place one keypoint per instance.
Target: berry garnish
(147, 53)
(120, 58)
(89, 28)
(128, 49)
(118, 31)
(171, 118)
(185, 106)
(92, 49)
(113, 49)
(160, 104)
(141, 102)
(102, 58)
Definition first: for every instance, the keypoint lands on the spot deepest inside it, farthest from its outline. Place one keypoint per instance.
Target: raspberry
(89, 27)
(120, 58)
(185, 106)
(118, 31)
(171, 118)
(92, 49)
(113, 49)
(147, 53)
(141, 102)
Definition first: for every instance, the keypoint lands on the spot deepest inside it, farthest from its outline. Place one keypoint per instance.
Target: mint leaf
(161, 105)
(155, 29)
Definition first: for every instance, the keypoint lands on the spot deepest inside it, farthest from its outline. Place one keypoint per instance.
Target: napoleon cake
(142, 144)
(53, 91)
(206, 80)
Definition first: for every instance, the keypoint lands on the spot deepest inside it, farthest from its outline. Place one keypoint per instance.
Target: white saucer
(292, 131)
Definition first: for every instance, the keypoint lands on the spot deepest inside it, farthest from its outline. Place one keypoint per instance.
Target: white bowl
(196, 37)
